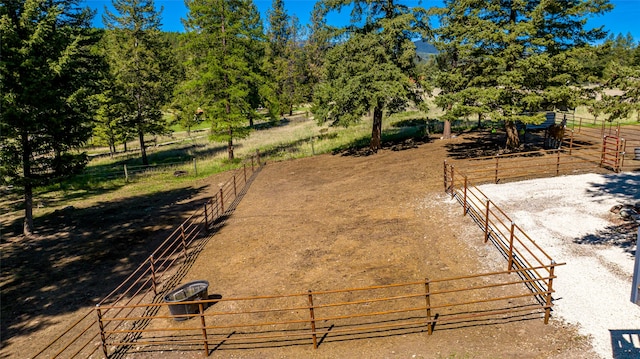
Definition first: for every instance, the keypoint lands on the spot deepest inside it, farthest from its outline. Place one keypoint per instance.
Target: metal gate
(612, 152)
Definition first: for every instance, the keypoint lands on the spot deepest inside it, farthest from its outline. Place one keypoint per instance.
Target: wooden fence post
(204, 329)
(195, 167)
(126, 174)
(547, 309)
(510, 262)
(153, 275)
(244, 169)
(313, 321)
(103, 338)
(427, 291)
(258, 158)
(558, 163)
(486, 222)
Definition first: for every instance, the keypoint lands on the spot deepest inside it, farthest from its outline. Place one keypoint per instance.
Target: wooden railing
(162, 270)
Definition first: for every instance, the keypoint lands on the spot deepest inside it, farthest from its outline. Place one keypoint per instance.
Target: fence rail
(524, 289)
(315, 317)
(156, 275)
(517, 247)
(584, 149)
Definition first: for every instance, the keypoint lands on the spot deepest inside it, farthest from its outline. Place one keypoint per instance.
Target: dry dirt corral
(332, 222)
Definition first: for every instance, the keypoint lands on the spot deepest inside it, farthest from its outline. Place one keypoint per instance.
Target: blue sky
(624, 18)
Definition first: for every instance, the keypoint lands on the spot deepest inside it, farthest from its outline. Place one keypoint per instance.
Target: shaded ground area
(317, 223)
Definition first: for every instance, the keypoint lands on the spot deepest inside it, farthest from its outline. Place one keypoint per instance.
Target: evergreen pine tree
(225, 44)
(141, 60)
(48, 71)
(624, 78)
(369, 68)
(512, 59)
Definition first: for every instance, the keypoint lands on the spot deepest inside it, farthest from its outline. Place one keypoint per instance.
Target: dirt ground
(326, 222)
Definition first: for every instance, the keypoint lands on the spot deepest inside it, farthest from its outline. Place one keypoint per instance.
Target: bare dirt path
(337, 221)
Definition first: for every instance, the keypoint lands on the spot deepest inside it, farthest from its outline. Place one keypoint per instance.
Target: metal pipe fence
(134, 315)
(317, 317)
(156, 275)
(521, 251)
(584, 150)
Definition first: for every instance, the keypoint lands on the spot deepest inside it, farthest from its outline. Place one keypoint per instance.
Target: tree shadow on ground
(488, 142)
(626, 186)
(395, 140)
(79, 255)
(623, 233)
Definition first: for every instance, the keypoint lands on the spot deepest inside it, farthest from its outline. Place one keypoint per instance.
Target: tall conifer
(369, 68)
(48, 70)
(225, 44)
(511, 59)
(140, 59)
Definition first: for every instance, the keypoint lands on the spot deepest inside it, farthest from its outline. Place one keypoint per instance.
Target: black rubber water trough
(192, 291)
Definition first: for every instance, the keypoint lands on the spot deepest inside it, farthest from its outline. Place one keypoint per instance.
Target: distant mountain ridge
(424, 47)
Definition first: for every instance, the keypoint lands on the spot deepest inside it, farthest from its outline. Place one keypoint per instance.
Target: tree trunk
(479, 121)
(28, 186)
(291, 110)
(143, 149)
(28, 208)
(376, 131)
(446, 132)
(513, 140)
(230, 144)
